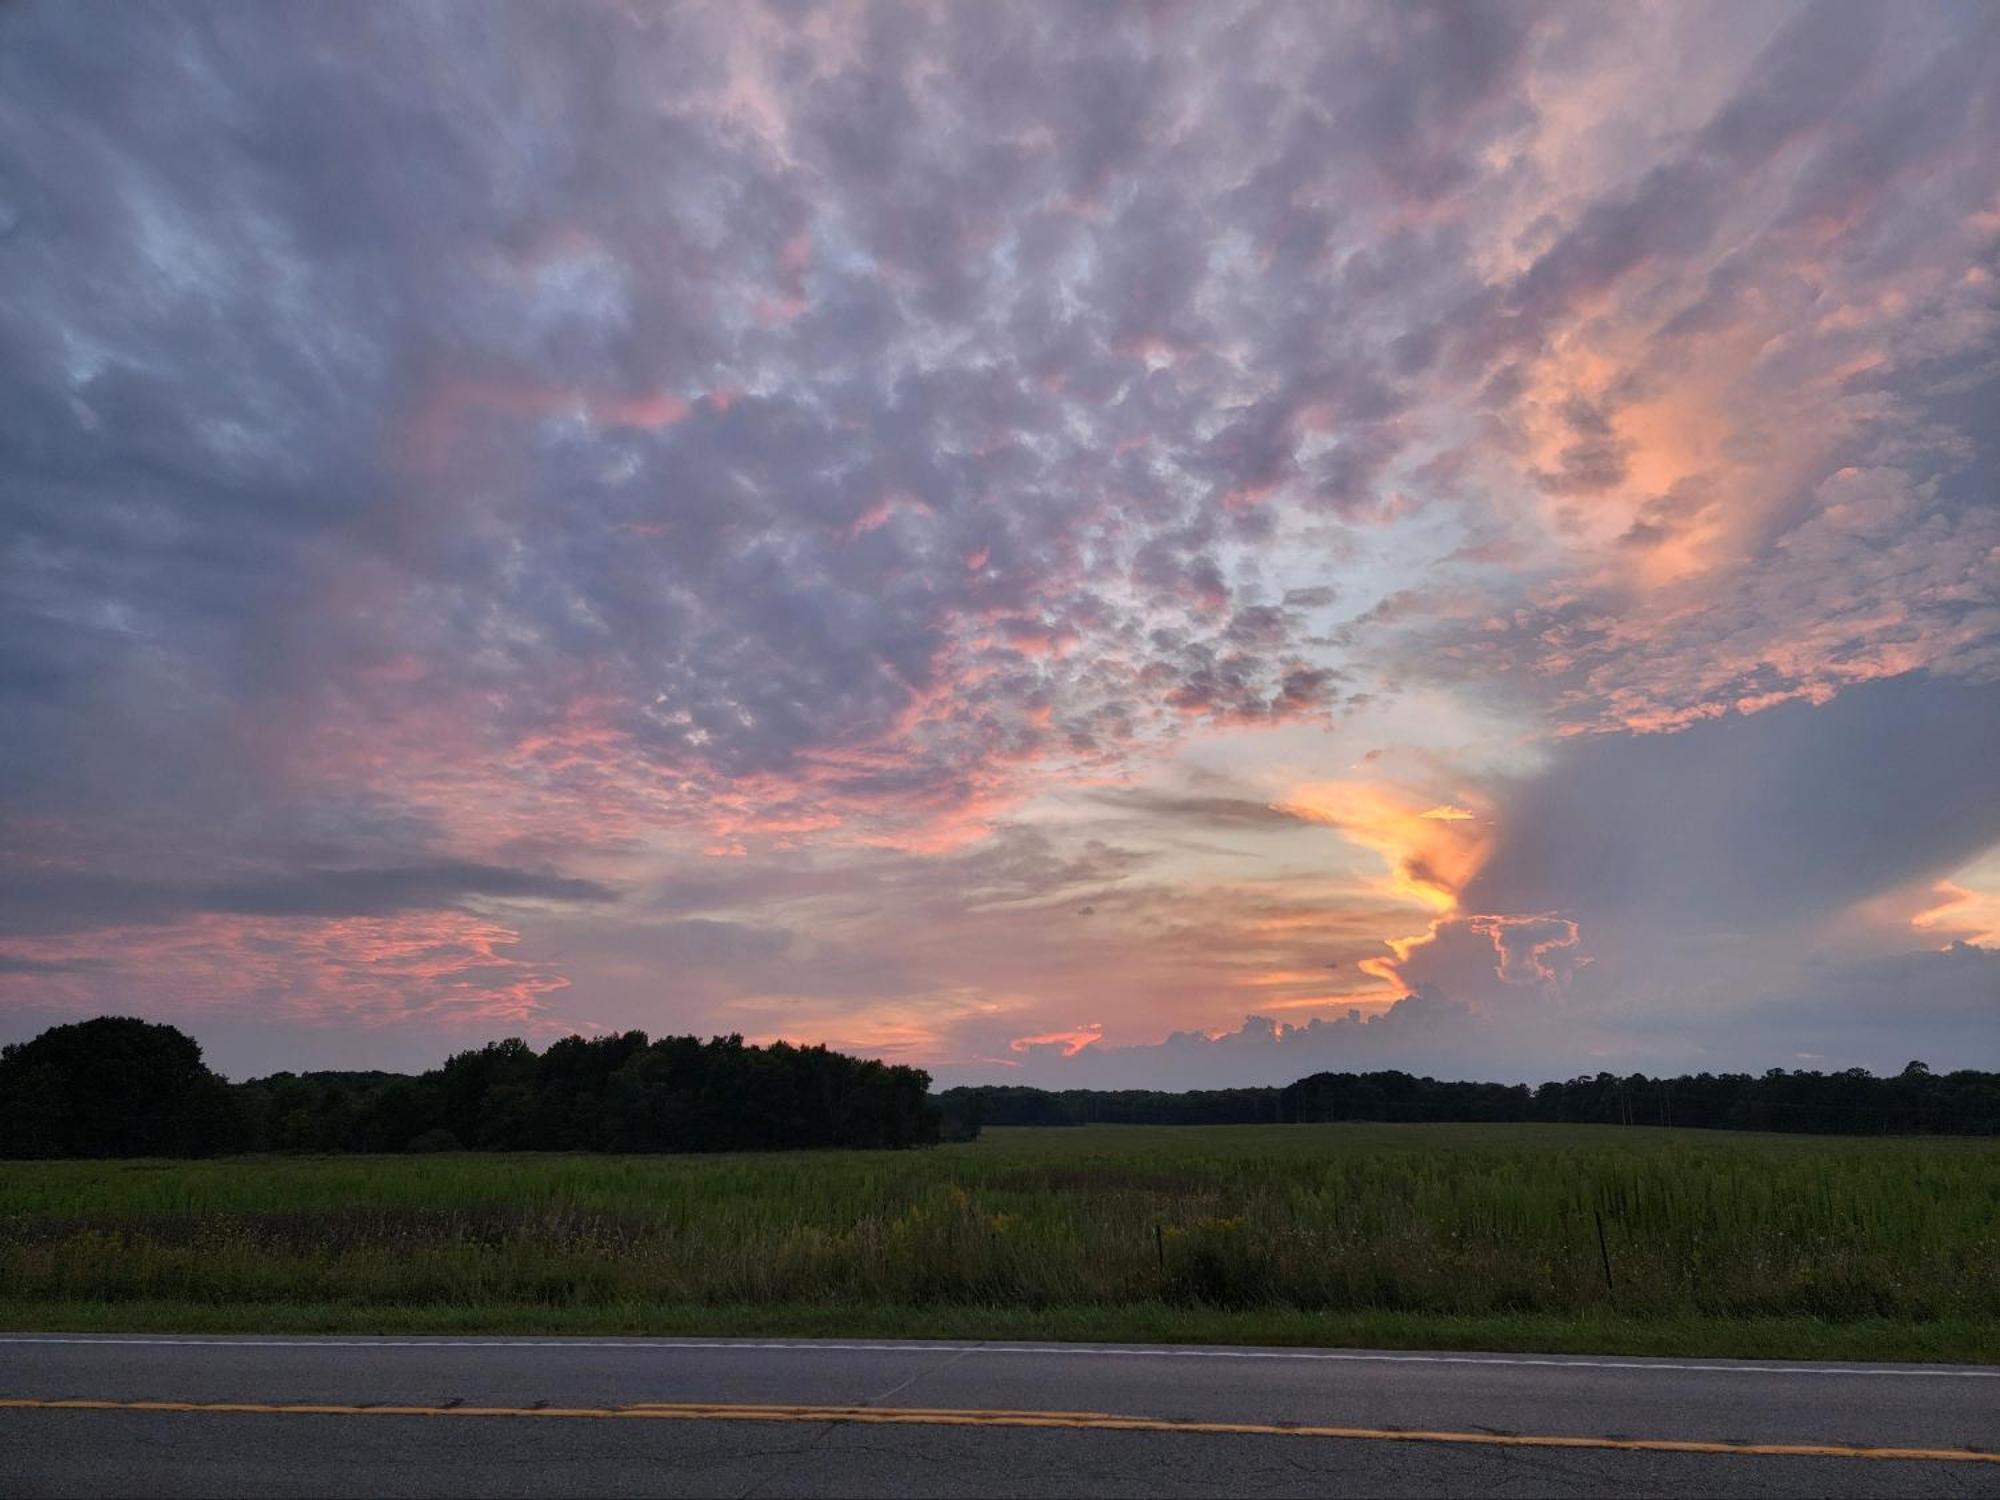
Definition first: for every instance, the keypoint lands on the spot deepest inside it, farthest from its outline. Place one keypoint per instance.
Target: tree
(114, 1086)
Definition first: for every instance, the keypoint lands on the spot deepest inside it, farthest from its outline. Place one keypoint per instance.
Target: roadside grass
(1440, 1236)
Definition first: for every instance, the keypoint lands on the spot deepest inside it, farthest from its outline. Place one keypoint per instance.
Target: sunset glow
(1157, 545)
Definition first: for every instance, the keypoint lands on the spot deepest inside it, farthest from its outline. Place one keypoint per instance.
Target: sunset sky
(1179, 545)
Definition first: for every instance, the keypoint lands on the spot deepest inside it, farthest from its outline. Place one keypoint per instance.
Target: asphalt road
(214, 1416)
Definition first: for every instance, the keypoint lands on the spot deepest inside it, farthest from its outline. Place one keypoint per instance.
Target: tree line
(116, 1086)
(1915, 1101)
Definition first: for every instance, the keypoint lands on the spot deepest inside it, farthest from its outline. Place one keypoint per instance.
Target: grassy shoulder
(1873, 1340)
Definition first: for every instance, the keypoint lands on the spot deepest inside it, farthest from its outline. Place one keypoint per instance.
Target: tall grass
(1446, 1220)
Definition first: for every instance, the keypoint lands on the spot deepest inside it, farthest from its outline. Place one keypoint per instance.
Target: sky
(1177, 545)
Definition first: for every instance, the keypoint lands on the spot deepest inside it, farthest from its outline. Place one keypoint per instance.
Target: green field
(1410, 1235)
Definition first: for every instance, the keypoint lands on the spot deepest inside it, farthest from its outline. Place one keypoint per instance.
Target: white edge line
(1072, 1350)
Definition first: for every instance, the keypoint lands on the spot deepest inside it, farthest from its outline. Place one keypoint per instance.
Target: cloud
(1740, 414)
(430, 975)
(1211, 811)
(745, 465)
(1067, 1043)
(1877, 1014)
(55, 901)
(1431, 857)
(15, 964)
(1746, 823)
(1424, 1033)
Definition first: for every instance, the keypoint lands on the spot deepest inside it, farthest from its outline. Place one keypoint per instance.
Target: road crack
(928, 1370)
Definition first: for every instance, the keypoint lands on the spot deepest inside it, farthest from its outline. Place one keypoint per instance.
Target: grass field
(1402, 1236)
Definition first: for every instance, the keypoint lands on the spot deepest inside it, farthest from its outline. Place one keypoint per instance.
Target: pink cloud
(435, 968)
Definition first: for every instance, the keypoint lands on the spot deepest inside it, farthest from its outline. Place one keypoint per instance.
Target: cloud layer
(1001, 533)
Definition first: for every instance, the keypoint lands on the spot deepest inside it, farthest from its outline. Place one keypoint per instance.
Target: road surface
(83, 1415)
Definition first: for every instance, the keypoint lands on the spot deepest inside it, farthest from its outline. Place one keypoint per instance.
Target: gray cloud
(13, 964)
(1749, 822)
(1212, 811)
(58, 902)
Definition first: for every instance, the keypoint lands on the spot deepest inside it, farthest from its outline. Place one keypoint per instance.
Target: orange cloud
(1972, 915)
(1071, 1042)
(1432, 850)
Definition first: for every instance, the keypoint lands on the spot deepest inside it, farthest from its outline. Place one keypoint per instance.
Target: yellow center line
(1075, 1421)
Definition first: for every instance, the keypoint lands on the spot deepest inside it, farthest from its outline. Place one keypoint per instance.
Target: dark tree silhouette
(1855, 1102)
(607, 1093)
(114, 1086)
(122, 1087)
